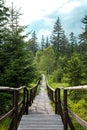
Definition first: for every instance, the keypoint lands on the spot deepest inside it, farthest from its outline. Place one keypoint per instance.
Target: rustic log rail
(32, 93)
(61, 107)
(21, 102)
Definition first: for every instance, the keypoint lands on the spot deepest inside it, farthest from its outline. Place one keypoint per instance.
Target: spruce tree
(42, 43)
(4, 15)
(83, 37)
(16, 64)
(32, 44)
(58, 40)
(56, 37)
(47, 42)
(73, 43)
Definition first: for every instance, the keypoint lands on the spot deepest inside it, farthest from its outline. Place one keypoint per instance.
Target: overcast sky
(41, 15)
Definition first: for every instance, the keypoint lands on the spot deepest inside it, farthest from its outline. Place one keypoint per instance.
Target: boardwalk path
(41, 115)
(41, 104)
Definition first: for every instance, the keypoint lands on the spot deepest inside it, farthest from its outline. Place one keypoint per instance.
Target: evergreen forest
(62, 59)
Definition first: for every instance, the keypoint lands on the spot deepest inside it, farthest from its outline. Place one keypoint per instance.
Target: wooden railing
(33, 92)
(61, 105)
(22, 99)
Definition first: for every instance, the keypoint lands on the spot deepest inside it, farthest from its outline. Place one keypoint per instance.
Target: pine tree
(32, 44)
(15, 60)
(42, 43)
(47, 42)
(73, 43)
(74, 70)
(56, 37)
(63, 45)
(4, 15)
(83, 37)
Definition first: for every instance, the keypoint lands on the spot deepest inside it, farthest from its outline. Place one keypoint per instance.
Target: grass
(4, 125)
(76, 125)
(56, 85)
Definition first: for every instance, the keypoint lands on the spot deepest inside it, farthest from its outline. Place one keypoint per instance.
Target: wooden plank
(41, 122)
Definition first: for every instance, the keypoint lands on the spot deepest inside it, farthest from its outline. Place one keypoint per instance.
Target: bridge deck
(41, 115)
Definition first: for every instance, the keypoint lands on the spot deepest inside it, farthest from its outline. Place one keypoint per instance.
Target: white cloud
(70, 6)
(44, 32)
(35, 9)
(48, 21)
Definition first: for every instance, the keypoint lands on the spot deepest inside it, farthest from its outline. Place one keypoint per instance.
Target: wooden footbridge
(30, 111)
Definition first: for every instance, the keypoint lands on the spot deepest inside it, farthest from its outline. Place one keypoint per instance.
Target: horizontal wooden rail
(11, 89)
(33, 92)
(7, 114)
(76, 87)
(51, 93)
(61, 106)
(20, 103)
(81, 121)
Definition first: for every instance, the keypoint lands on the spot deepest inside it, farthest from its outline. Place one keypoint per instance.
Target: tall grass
(4, 125)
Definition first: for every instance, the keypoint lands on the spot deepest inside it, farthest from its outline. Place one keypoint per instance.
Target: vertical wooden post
(59, 104)
(56, 102)
(65, 111)
(27, 101)
(24, 100)
(16, 109)
(30, 98)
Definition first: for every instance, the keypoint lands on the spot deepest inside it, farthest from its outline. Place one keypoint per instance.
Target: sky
(41, 15)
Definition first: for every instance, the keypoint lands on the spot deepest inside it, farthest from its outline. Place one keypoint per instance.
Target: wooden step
(41, 122)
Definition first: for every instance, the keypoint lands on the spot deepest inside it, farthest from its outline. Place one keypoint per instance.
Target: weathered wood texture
(41, 122)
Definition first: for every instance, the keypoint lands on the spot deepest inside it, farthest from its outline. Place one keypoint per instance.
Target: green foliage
(32, 44)
(4, 125)
(16, 61)
(79, 105)
(5, 102)
(4, 15)
(44, 61)
(73, 70)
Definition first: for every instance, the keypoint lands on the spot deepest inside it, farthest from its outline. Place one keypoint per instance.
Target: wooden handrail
(19, 107)
(81, 121)
(7, 114)
(32, 93)
(73, 87)
(62, 108)
(11, 89)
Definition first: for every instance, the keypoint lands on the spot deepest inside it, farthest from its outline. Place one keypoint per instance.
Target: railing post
(59, 104)
(65, 111)
(30, 100)
(56, 102)
(16, 109)
(24, 98)
(27, 102)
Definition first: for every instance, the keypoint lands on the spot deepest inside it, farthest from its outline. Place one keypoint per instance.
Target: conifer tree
(56, 37)
(47, 42)
(4, 15)
(73, 43)
(15, 60)
(42, 43)
(83, 37)
(32, 44)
